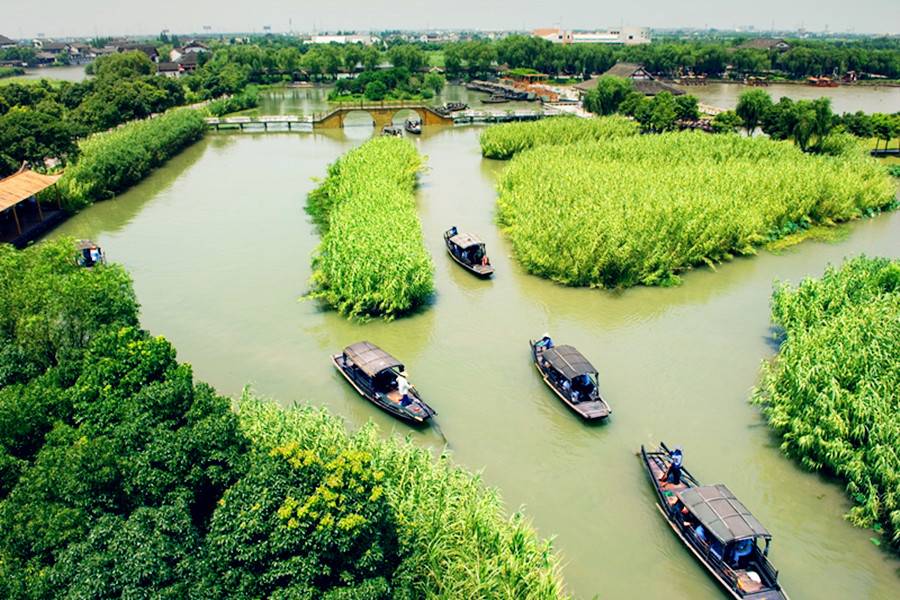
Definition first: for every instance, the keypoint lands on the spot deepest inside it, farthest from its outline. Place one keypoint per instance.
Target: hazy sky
(27, 18)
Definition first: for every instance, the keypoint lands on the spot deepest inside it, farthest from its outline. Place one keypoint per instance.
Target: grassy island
(638, 210)
(372, 260)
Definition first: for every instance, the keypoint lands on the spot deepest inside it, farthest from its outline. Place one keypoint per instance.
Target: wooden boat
(455, 106)
(822, 82)
(468, 251)
(88, 254)
(413, 126)
(392, 130)
(373, 373)
(717, 528)
(495, 99)
(571, 377)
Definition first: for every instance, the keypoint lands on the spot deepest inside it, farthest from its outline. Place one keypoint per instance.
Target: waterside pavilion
(22, 218)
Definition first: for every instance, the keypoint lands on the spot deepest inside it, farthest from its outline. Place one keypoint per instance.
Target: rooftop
(723, 515)
(23, 185)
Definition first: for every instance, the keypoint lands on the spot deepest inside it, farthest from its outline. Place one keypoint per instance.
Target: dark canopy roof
(721, 513)
(568, 361)
(371, 359)
(464, 240)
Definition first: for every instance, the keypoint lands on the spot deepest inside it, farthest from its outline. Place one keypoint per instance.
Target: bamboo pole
(16, 217)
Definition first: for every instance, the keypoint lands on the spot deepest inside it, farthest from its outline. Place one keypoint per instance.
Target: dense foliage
(831, 392)
(396, 83)
(112, 161)
(120, 477)
(57, 114)
(11, 72)
(506, 140)
(371, 261)
(637, 210)
(249, 98)
(111, 459)
(452, 534)
(672, 58)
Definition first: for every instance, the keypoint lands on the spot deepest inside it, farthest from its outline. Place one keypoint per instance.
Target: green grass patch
(639, 210)
(372, 260)
(831, 392)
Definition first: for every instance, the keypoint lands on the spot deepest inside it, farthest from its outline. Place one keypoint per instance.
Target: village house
(147, 49)
(640, 78)
(765, 44)
(6, 43)
(192, 47)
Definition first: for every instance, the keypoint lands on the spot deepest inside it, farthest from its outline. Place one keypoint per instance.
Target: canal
(219, 248)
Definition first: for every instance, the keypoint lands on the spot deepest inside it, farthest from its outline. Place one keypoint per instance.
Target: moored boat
(469, 252)
(571, 377)
(88, 253)
(376, 375)
(455, 106)
(413, 126)
(495, 99)
(392, 130)
(716, 527)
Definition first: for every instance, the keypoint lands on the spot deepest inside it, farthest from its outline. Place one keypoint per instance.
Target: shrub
(831, 392)
(638, 210)
(249, 98)
(111, 162)
(371, 261)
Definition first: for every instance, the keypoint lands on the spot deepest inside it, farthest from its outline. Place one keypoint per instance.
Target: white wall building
(342, 39)
(619, 35)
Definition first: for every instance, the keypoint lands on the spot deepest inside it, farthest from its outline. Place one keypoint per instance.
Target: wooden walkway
(307, 123)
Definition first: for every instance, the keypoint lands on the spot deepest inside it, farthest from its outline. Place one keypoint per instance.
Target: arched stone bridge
(382, 114)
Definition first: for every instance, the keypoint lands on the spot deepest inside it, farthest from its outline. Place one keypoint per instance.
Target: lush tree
(726, 122)
(662, 114)
(434, 81)
(123, 65)
(687, 108)
(751, 108)
(33, 136)
(375, 90)
(323, 525)
(608, 95)
(408, 57)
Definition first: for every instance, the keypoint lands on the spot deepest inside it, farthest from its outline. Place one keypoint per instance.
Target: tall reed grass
(639, 210)
(112, 161)
(506, 140)
(832, 391)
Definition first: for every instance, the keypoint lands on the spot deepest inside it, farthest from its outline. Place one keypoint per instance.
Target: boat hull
(653, 466)
(482, 271)
(589, 410)
(385, 406)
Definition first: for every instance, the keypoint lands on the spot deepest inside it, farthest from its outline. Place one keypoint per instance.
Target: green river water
(219, 248)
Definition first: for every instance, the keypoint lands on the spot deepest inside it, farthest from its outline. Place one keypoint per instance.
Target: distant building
(766, 44)
(5, 43)
(192, 47)
(168, 69)
(147, 49)
(342, 39)
(641, 79)
(628, 36)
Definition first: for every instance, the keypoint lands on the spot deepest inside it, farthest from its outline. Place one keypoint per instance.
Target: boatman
(403, 387)
(673, 473)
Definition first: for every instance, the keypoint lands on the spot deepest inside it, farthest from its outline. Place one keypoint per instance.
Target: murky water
(846, 98)
(67, 73)
(219, 247)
